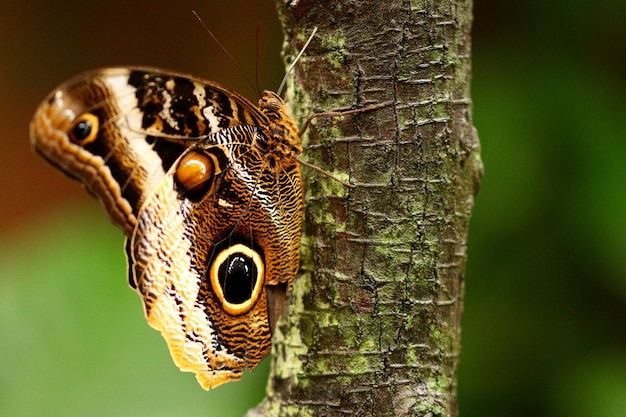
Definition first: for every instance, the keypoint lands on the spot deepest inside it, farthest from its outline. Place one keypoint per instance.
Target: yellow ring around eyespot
(94, 126)
(230, 308)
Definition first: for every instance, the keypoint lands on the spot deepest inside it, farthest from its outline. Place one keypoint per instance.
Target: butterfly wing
(119, 130)
(203, 258)
(211, 258)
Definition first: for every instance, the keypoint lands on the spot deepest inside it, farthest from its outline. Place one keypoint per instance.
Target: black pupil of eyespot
(82, 130)
(237, 277)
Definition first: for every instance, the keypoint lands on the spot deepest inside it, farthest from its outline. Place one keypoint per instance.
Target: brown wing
(119, 130)
(203, 257)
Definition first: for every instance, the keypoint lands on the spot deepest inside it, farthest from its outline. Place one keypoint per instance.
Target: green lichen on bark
(374, 323)
(333, 43)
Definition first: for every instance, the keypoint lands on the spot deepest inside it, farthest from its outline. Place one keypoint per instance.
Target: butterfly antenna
(325, 173)
(295, 61)
(225, 50)
(258, 48)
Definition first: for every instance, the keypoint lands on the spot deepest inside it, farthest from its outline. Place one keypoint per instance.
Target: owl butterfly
(207, 189)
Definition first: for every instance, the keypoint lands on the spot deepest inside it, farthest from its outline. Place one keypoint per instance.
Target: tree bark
(373, 326)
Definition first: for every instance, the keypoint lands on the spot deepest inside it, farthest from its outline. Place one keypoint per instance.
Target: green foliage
(545, 305)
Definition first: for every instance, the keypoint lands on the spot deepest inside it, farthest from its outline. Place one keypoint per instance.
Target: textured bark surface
(373, 328)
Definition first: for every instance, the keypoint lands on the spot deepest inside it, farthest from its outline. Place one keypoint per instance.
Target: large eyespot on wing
(237, 278)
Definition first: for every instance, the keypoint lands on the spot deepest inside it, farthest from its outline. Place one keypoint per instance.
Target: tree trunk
(373, 328)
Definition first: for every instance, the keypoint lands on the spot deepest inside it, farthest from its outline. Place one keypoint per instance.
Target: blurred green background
(544, 330)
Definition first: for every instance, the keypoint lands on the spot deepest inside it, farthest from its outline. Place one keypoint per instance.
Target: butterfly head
(281, 130)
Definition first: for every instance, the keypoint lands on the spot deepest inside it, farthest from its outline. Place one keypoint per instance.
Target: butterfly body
(206, 187)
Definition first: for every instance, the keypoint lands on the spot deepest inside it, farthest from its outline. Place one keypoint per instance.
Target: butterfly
(207, 188)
